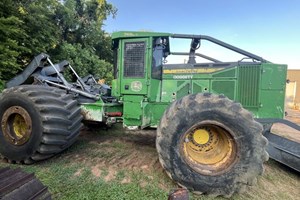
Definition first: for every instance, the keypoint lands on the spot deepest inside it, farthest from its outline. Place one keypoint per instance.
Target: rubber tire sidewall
(243, 130)
(22, 152)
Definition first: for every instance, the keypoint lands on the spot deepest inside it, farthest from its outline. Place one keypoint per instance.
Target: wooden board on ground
(286, 131)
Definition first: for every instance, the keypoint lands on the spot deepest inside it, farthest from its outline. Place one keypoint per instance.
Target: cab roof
(138, 34)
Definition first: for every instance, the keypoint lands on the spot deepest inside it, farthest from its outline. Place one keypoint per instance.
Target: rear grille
(248, 84)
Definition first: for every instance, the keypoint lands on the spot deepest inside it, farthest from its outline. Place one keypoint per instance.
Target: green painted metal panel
(273, 76)
(248, 85)
(196, 83)
(200, 85)
(226, 87)
(97, 111)
(168, 90)
(174, 89)
(183, 90)
(133, 110)
(113, 107)
(227, 73)
(133, 98)
(154, 90)
(115, 90)
(196, 88)
(92, 112)
(272, 91)
(152, 113)
(272, 104)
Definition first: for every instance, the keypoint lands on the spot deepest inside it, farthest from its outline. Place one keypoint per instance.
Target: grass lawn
(116, 165)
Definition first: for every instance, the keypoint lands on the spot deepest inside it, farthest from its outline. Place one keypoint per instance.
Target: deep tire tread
(60, 116)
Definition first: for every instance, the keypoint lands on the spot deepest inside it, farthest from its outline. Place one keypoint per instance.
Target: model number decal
(182, 76)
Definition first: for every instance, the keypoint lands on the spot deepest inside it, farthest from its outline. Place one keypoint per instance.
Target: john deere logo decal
(136, 86)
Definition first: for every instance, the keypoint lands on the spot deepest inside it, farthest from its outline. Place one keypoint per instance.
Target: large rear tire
(210, 144)
(37, 122)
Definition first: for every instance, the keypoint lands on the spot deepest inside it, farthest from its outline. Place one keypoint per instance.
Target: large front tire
(37, 122)
(211, 145)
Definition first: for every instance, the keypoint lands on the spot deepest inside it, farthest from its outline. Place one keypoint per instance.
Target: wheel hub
(16, 125)
(209, 148)
(201, 136)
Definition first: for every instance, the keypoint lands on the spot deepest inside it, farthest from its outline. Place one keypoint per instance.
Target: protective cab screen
(134, 59)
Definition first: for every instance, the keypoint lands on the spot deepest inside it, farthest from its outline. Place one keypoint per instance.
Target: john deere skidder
(207, 115)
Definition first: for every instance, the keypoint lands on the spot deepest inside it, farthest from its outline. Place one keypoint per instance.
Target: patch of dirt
(134, 150)
(111, 174)
(145, 167)
(96, 171)
(79, 171)
(277, 182)
(126, 180)
(143, 184)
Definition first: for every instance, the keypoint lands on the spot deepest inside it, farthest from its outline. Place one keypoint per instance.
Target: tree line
(64, 29)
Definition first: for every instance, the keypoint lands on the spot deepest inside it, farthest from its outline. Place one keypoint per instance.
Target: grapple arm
(37, 62)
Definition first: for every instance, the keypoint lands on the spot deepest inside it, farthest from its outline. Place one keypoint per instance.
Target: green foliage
(66, 30)
(81, 22)
(1, 85)
(40, 26)
(86, 63)
(10, 47)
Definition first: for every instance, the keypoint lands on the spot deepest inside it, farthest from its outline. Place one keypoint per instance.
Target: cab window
(157, 58)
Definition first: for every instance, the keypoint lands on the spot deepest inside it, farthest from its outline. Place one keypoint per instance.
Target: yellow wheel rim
(16, 125)
(19, 126)
(209, 148)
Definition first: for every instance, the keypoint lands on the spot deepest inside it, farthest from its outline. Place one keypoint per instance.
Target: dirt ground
(135, 151)
(124, 164)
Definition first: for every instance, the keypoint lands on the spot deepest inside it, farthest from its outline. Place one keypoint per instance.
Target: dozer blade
(17, 184)
(284, 141)
(284, 150)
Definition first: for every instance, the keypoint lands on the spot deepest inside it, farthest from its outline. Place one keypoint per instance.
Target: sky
(268, 28)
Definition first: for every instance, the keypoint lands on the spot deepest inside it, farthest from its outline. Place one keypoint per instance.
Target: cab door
(134, 66)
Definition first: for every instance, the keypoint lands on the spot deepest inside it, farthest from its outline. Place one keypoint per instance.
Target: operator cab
(134, 55)
(138, 62)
